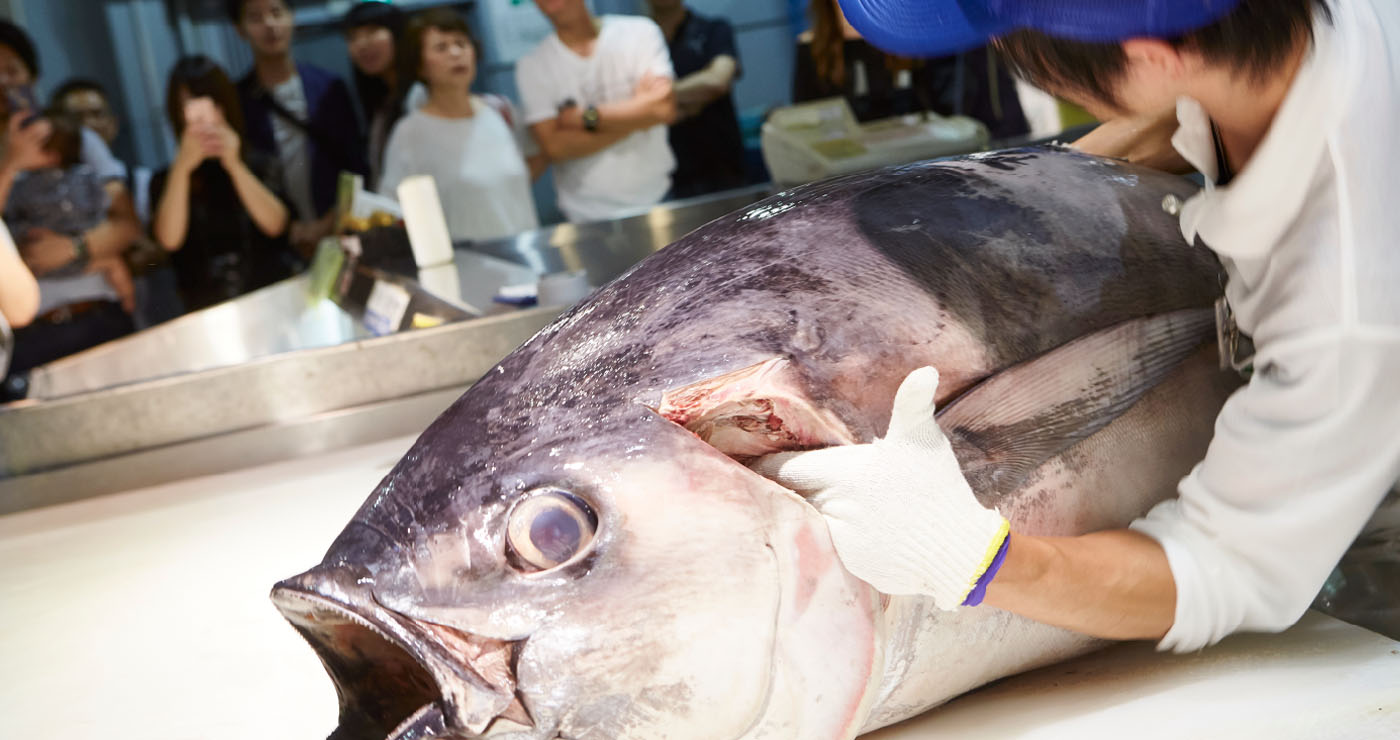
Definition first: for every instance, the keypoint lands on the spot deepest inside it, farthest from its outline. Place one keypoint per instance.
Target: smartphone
(20, 99)
(201, 112)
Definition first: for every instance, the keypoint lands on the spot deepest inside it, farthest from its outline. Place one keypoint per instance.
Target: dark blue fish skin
(971, 265)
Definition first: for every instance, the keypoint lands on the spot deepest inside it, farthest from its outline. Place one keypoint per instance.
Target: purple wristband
(979, 592)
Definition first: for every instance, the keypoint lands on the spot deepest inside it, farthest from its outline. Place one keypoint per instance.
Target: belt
(65, 314)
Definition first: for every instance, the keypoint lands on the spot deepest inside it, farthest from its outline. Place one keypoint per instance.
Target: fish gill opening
(752, 412)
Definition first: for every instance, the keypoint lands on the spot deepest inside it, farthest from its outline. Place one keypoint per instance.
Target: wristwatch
(590, 118)
(80, 249)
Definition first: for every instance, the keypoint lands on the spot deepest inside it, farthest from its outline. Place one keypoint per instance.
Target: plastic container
(820, 139)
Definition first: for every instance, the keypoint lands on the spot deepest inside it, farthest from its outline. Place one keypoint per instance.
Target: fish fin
(1007, 426)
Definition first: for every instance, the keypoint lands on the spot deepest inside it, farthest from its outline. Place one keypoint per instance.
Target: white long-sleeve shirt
(1309, 233)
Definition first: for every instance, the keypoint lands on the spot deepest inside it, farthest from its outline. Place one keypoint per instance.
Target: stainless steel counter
(606, 249)
(271, 375)
(271, 321)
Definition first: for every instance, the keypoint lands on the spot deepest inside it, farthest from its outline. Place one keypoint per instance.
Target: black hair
(408, 49)
(409, 46)
(1253, 38)
(76, 84)
(19, 42)
(235, 9)
(373, 92)
(202, 77)
(373, 13)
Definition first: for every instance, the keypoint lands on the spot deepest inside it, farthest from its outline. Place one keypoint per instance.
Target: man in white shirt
(597, 95)
(1291, 111)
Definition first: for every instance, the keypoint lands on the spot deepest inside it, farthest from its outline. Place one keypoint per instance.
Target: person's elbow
(537, 164)
(277, 222)
(167, 238)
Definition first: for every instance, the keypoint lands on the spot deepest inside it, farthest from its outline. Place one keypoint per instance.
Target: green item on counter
(325, 268)
(347, 186)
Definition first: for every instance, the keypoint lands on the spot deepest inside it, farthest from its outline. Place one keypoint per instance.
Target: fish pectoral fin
(1010, 424)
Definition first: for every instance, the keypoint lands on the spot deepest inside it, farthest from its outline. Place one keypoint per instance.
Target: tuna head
(531, 570)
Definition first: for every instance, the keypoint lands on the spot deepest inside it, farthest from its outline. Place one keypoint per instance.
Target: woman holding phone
(219, 206)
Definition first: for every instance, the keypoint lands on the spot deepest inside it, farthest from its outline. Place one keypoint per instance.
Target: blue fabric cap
(930, 28)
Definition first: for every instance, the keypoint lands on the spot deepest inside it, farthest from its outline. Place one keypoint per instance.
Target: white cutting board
(145, 615)
(1319, 680)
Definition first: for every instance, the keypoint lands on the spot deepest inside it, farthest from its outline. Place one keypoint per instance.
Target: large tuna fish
(575, 550)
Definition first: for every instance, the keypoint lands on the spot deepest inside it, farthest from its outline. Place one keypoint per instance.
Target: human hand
(196, 145)
(225, 144)
(1142, 139)
(688, 110)
(117, 275)
(24, 148)
(901, 515)
(304, 235)
(570, 118)
(653, 87)
(44, 250)
(659, 94)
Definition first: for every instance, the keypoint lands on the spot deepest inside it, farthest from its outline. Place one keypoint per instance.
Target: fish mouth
(399, 679)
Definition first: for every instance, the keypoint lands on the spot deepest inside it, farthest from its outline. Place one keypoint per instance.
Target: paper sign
(385, 309)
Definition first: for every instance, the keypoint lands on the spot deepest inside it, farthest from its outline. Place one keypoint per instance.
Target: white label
(385, 309)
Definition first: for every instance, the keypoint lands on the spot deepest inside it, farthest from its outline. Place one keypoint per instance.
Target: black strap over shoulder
(320, 135)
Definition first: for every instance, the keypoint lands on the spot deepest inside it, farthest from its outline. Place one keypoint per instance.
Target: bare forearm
(1115, 584)
(111, 237)
(537, 163)
(1144, 140)
(698, 89)
(561, 145)
(267, 212)
(7, 181)
(626, 116)
(173, 213)
(19, 292)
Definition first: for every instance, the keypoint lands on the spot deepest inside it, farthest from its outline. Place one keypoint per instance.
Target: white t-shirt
(633, 173)
(478, 165)
(1307, 231)
(293, 148)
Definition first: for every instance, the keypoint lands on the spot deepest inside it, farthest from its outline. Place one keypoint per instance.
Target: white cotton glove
(902, 517)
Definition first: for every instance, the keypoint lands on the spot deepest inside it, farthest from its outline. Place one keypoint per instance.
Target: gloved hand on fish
(578, 549)
(901, 514)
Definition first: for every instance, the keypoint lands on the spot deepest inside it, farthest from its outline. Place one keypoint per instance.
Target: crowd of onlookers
(627, 111)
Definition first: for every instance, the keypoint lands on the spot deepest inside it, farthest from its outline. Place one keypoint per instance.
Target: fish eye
(548, 527)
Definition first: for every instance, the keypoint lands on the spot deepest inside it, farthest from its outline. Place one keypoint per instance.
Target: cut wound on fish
(755, 411)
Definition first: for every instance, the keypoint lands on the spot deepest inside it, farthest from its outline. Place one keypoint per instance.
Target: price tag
(385, 309)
